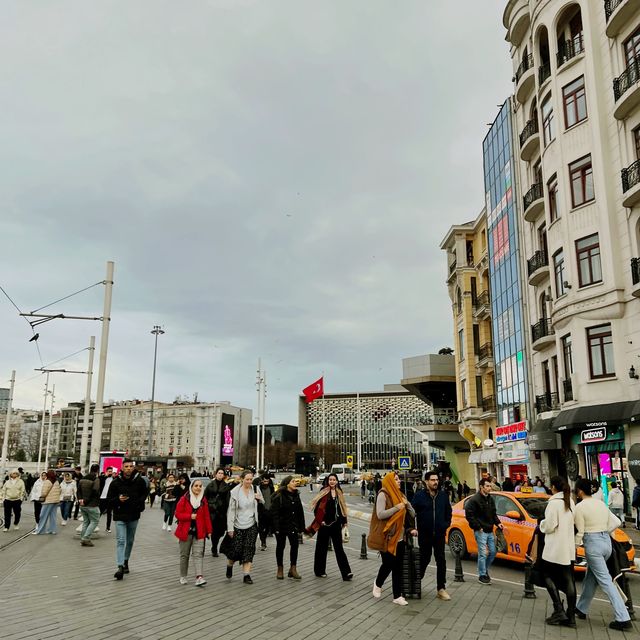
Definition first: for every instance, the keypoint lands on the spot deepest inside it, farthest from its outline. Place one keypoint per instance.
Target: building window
(552, 187)
(548, 127)
(588, 255)
(461, 344)
(600, 345)
(636, 141)
(567, 355)
(558, 271)
(463, 388)
(581, 178)
(632, 47)
(575, 102)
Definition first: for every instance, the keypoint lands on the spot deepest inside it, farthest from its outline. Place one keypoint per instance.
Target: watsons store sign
(593, 435)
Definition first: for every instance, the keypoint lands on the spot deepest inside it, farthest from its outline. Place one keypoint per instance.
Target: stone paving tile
(53, 588)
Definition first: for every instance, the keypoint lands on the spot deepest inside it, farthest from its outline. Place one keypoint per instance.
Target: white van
(344, 472)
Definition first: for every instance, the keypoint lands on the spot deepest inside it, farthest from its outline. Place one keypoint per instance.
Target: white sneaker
(443, 595)
(169, 529)
(64, 523)
(377, 591)
(200, 581)
(164, 527)
(401, 601)
(79, 528)
(183, 581)
(16, 527)
(5, 529)
(96, 530)
(34, 533)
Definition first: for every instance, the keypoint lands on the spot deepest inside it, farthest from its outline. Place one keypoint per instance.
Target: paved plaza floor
(51, 587)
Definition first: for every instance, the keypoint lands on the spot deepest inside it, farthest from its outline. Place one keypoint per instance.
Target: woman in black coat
(288, 522)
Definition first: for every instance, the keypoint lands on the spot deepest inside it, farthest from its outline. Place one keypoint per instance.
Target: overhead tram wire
(30, 325)
(46, 366)
(67, 297)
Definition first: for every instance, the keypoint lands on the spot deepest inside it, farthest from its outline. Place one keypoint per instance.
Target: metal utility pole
(5, 442)
(53, 394)
(44, 411)
(84, 441)
(98, 412)
(156, 331)
(263, 416)
(258, 419)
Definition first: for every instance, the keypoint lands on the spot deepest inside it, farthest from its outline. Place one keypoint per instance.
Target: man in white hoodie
(13, 492)
(616, 502)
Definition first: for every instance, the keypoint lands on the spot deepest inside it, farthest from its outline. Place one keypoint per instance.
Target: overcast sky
(271, 177)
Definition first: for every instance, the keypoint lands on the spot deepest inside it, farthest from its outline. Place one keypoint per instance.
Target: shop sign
(593, 435)
(511, 432)
(633, 461)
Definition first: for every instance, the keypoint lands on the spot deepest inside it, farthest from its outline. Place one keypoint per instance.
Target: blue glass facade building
(505, 281)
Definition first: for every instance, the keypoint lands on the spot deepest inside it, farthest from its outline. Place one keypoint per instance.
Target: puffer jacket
(50, 492)
(13, 489)
(68, 491)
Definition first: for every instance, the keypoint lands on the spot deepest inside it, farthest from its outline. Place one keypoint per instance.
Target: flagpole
(358, 433)
(324, 428)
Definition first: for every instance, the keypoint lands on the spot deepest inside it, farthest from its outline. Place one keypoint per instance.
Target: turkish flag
(314, 390)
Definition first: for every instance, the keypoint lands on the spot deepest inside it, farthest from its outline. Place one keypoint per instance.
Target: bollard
(458, 576)
(363, 548)
(529, 590)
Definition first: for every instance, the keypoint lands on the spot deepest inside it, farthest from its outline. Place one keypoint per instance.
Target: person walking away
(433, 517)
(596, 491)
(217, 496)
(466, 489)
(49, 514)
(128, 494)
(635, 502)
(616, 502)
(371, 491)
(363, 488)
(507, 485)
(89, 501)
(459, 491)
(594, 523)
(393, 518)
(239, 544)
(13, 492)
(105, 503)
(153, 488)
(77, 476)
(34, 496)
(480, 511)
(330, 517)
(68, 492)
(169, 501)
(288, 522)
(265, 525)
(192, 531)
(559, 552)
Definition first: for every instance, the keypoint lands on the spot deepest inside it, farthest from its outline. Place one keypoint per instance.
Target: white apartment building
(576, 112)
(181, 429)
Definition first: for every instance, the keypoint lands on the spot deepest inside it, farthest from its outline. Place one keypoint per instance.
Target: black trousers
(392, 565)
(264, 525)
(218, 527)
(105, 507)
(76, 510)
(281, 541)
(560, 577)
(333, 532)
(37, 508)
(435, 545)
(15, 507)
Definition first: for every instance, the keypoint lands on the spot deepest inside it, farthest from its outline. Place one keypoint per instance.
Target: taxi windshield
(534, 506)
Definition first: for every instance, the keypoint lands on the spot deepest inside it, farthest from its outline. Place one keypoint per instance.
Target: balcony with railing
(529, 140)
(635, 277)
(626, 90)
(481, 304)
(631, 184)
(544, 73)
(569, 49)
(533, 202)
(547, 402)
(542, 334)
(489, 404)
(538, 267)
(619, 13)
(525, 78)
(485, 355)
(567, 390)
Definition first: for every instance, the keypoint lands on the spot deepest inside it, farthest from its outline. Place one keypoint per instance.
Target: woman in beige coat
(12, 494)
(51, 495)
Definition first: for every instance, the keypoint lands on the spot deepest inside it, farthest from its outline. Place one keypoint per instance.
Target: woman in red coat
(194, 527)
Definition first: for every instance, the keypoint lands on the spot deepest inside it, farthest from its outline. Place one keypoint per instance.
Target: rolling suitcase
(411, 581)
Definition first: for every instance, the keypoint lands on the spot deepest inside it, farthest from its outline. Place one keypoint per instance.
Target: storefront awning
(542, 437)
(598, 415)
(635, 413)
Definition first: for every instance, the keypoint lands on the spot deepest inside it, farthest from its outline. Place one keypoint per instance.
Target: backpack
(377, 540)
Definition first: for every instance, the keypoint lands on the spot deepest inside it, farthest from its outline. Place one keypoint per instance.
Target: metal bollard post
(529, 590)
(458, 576)
(363, 548)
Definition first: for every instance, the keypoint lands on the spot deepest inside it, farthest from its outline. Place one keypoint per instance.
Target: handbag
(501, 541)
(345, 534)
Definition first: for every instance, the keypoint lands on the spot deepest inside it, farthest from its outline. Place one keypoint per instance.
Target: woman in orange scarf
(396, 511)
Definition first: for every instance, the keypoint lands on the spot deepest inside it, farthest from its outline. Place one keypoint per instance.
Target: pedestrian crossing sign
(404, 463)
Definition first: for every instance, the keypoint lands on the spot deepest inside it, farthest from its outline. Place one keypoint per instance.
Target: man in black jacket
(480, 511)
(89, 501)
(127, 495)
(433, 517)
(217, 496)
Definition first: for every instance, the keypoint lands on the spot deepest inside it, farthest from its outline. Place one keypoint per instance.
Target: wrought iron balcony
(635, 270)
(489, 403)
(567, 389)
(544, 72)
(610, 6)
(525, 65)
(537, 261)
(631, 176)
(481, 300)
(570, 49)
(485, 351)
(535, 193)
(547, 402)
(452, 267)
(629, 77)
(530, 129)
(541, 329)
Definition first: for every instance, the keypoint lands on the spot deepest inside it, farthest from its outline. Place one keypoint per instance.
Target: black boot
(125, 568)
(229, 571)
(558, 616)
(119, 574)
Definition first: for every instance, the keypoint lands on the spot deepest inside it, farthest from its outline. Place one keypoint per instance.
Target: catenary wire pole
(5, 442)
(53, 395)
(84, 440)
(44, 412)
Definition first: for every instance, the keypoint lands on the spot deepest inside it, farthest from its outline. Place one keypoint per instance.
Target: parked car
(519, 514)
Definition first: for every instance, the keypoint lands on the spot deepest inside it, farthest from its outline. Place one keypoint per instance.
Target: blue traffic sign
(404, 463)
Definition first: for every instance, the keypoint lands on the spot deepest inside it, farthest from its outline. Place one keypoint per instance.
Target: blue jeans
(125, 535)
(49, 518)
(597, 549)
(90, 517)
(66, 506)
(485, 541)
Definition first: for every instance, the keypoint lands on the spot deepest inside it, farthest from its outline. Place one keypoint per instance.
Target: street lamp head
(157, 330)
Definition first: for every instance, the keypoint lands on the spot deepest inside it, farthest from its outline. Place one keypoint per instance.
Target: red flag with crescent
(314, 390)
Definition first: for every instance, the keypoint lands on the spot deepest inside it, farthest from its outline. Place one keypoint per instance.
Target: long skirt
(242, 547)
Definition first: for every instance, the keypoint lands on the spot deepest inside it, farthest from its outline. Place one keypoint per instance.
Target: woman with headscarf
(12, 493)
(287, 518)
(51, 494)
(330, 517)
(394, 517)
(68, 494)
(194, 527)
(34, 496)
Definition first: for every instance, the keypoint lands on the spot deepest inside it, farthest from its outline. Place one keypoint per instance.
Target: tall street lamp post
(157, 331)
